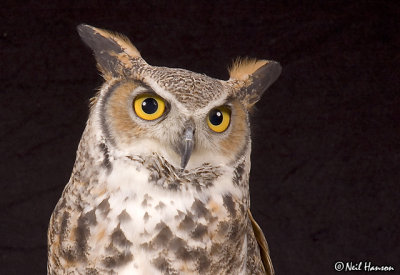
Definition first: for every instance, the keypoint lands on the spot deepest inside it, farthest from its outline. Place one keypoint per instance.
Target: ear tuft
(249, 79)
(95, 37)
(242, 68)
(113, 51)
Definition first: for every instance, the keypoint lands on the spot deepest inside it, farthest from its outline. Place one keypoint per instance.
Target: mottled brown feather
(262, 242)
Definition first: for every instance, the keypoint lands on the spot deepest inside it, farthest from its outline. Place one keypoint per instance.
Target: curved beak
(188, 144)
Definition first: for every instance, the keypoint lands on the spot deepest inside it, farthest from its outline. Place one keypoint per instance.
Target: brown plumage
(160, 183)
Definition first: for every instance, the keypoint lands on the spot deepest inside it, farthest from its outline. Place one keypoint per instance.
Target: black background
(326, 149)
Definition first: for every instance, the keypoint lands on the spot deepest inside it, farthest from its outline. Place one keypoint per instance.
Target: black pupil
(216, 117)
(149, 105)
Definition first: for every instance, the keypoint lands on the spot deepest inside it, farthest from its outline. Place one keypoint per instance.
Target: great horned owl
(161, 179)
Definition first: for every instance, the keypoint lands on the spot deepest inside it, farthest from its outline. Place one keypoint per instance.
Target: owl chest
(175, 231)
(170, 235)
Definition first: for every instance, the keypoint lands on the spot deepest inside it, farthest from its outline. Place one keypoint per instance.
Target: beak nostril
(189, 133)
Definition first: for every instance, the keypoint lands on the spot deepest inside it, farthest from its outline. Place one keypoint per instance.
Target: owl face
(186, 117)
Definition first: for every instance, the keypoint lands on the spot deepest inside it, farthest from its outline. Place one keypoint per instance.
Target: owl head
(186, 117)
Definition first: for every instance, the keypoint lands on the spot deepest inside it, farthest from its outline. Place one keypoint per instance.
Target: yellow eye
(219, 118)
(149, 106)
